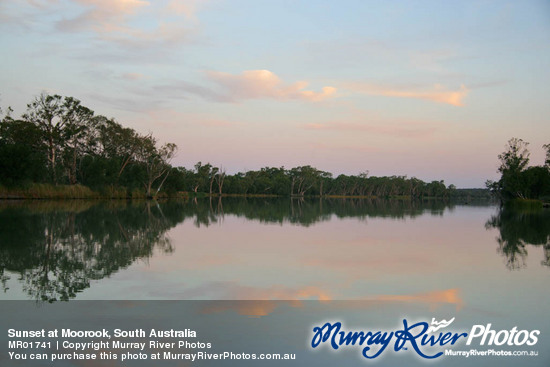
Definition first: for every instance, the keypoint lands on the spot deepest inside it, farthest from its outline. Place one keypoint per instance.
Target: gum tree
(156, 161)
(46, 112)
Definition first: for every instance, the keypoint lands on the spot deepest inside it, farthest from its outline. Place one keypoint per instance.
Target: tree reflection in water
(59, 248)
(519, 228)
(306, 212)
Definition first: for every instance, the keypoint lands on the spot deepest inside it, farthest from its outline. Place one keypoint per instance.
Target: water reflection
(264, 307)
(519, 228)
(51, 251)
(58, 248)
(308, 212)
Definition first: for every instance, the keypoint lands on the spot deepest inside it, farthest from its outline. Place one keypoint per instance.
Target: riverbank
(69, 192)
(75, 192)
(527, 204)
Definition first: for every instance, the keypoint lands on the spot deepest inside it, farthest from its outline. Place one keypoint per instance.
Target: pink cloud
(437, 93)
(104, 15)
(164, 33)
(132, 76)
(391, 129)
(110, 19)
(41, 4)
(186, 7)
(255, 84)
(217, 123)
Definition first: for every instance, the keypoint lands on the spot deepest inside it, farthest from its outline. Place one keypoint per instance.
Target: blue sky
(431, 89)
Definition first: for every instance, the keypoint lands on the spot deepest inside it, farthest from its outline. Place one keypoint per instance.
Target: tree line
(518, 180)
(59, 141)
(300, 181)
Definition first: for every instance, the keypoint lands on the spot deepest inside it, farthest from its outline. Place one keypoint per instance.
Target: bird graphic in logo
(439, 325)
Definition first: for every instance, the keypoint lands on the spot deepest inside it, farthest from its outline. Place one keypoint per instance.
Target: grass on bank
(48, 191)
(35, 191)
(524, 204)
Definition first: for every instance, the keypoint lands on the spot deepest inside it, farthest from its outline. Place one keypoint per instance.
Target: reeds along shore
(47, 191)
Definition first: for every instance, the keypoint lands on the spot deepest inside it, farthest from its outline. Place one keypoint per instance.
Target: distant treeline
(518, 180)
(300, 181)
(472, 195)
(58, 141)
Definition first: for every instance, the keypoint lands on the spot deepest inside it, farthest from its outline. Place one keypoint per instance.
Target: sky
(430, 89)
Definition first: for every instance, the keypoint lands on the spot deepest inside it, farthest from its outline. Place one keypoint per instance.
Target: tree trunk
(72, 177)
(148, 189)
(162, 182)
(52, 159)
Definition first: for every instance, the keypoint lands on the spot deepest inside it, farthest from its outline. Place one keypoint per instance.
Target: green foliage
(306, 181)
(518, 181)
(48, 191)
(471, 195)
(22, 155)
(60, 141)
(547, 160)
(523, 204)
(516, 156)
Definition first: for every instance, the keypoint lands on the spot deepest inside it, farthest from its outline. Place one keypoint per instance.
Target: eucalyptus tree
(516, 156)
(324, 178)
(303, 178)
(517, 179)
(156, 161)
(547, 160)
(220, 178)
(77, 121)
(118, 143)
(46, 112)
(202, 176)
(212, 177)
(512, 162)
(22, 153)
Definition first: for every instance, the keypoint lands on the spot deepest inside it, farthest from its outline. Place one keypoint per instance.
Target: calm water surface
(276, 249)
(377, 262)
